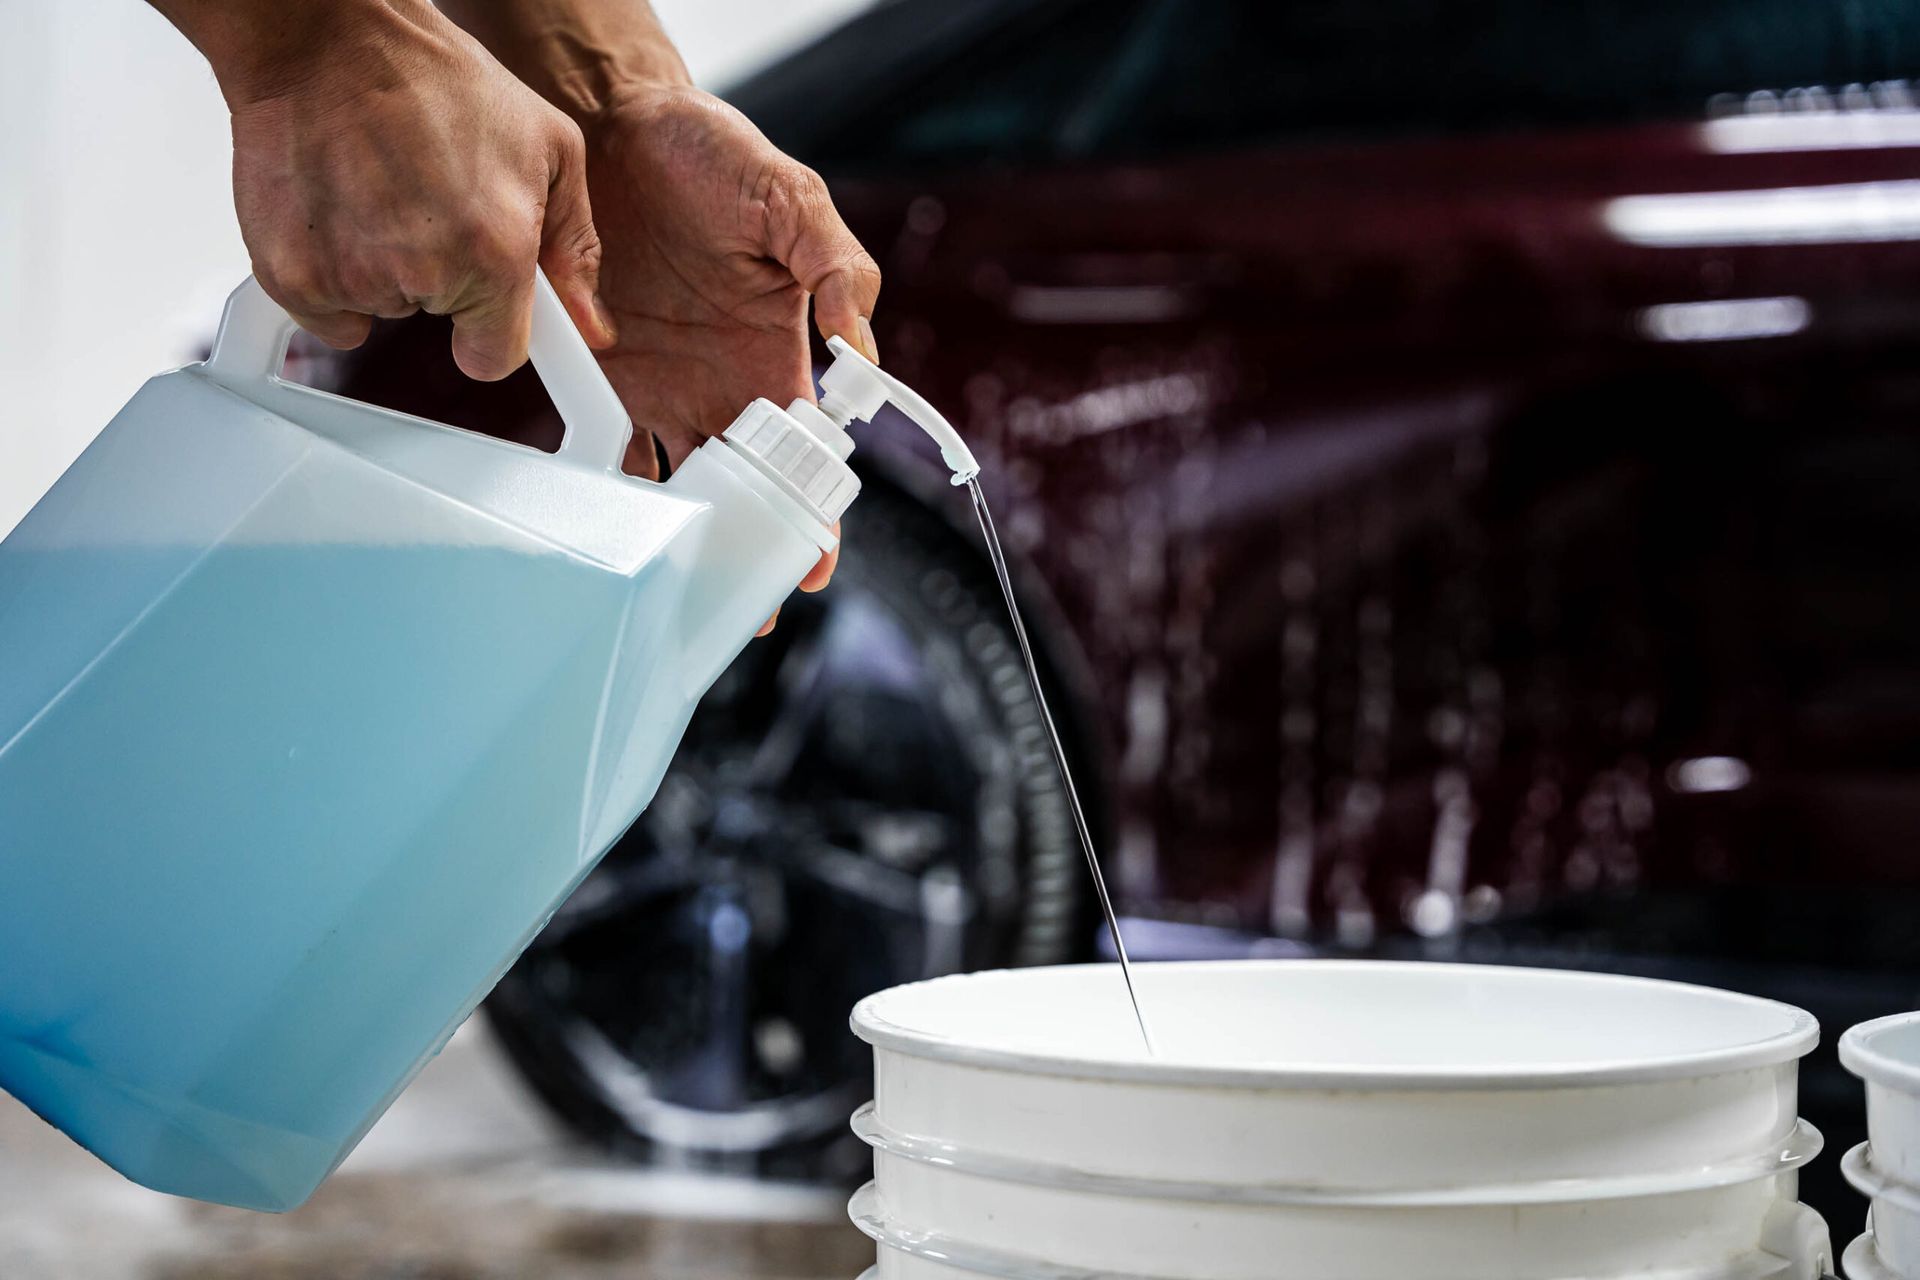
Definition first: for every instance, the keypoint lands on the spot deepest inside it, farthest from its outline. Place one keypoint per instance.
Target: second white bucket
(1335, 1121)
(1885, 1053)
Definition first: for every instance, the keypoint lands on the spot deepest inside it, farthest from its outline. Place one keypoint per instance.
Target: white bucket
(1885, 1053)
(1335, 1121)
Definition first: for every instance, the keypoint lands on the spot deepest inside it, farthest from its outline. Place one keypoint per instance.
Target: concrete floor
(465, 1179)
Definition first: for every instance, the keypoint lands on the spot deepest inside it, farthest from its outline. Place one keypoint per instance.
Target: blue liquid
(289, 817)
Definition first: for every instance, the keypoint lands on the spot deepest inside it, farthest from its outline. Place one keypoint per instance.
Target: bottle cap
(805, 460)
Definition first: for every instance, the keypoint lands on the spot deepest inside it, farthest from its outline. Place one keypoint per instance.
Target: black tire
(865, 798)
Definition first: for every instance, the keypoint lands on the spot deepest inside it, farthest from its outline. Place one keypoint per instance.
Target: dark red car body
(1370, 503)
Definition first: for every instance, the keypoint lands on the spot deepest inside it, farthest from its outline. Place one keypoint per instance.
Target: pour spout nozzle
(855, 387)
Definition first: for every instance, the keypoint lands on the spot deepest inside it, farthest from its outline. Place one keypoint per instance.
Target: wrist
(265, 49)
(590, 88)
(586, 59)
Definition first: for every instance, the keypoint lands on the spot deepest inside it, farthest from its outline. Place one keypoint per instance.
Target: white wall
(724, 39)
(117, 235)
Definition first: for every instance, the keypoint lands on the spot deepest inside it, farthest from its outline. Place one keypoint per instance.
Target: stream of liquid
(1059, 753)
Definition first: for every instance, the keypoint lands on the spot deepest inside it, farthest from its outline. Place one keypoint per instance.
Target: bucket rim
(1799, 1033)
(1864, 1058)
(1800, 1147)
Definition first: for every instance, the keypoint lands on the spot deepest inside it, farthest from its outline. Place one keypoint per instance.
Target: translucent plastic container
(312, 715)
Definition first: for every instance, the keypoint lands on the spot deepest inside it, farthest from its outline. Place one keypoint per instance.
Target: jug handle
(251, 347)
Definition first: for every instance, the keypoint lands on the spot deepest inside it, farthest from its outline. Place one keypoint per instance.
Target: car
(1460, 469)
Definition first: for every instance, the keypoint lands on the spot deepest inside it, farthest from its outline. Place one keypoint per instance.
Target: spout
(855, 387)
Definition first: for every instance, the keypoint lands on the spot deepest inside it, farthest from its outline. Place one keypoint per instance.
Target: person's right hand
(384, 162)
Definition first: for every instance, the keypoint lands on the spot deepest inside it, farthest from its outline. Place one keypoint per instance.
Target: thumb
(569, 245)
(830, 264)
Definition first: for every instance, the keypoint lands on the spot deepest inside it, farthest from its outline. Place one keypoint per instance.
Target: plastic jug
(313, 713)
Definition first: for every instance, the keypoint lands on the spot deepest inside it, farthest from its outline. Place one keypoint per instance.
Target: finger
(490, 335)
(767, 626)
(301, 295)
(643, 456)
(822, 571)
(370, 286)
(395, 308)
(829, 263)
(569, 245)
(341, 330)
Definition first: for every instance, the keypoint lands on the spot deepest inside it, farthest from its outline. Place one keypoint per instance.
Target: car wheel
(864, 798)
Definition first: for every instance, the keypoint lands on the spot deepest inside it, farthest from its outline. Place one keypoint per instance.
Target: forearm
(583, 56)
(266, 48)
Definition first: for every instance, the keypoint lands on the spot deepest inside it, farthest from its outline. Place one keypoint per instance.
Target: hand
(714, 242)
(386, 163)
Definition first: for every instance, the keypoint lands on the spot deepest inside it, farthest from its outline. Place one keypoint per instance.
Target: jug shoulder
(617, 520)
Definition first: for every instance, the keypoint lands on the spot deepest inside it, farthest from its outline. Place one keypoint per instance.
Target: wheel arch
(1066, 670)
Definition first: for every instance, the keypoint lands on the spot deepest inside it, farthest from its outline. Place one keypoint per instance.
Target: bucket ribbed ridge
(1861, 1262)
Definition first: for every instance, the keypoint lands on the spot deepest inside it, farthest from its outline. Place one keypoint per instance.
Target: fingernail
(868, 347)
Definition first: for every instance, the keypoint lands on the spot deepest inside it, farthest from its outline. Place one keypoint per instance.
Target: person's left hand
(712, 242)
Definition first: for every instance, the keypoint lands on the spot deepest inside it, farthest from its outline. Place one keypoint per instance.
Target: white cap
(806, 445)
(808, 464)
